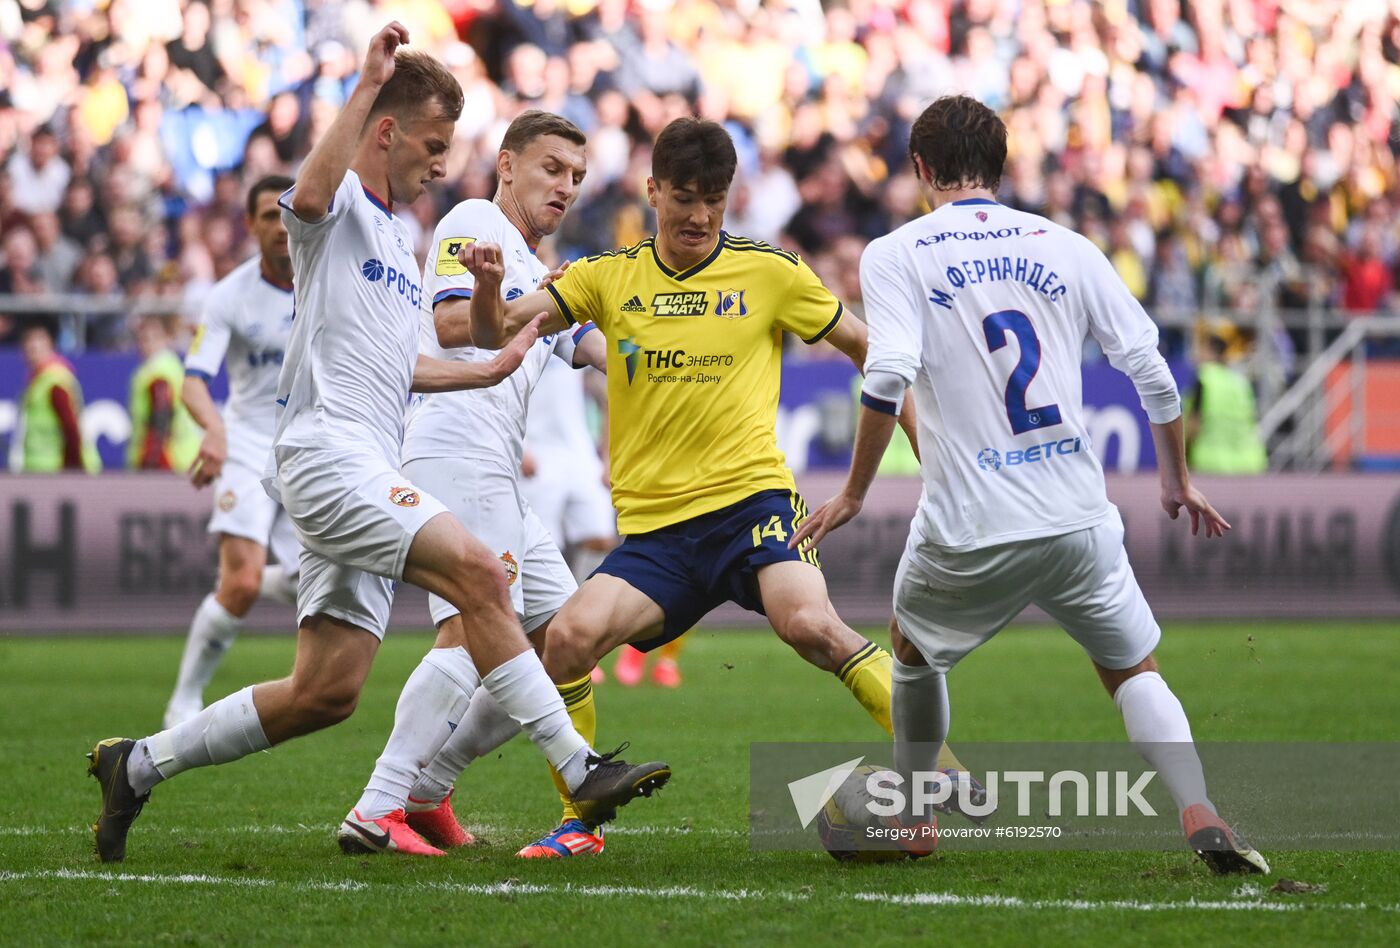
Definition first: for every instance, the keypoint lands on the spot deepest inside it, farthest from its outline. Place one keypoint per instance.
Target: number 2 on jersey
(1018, 324)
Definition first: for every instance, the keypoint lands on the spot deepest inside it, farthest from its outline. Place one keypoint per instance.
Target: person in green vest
(163, 435)
(899, 458)
(50, 436)
(1222, 423)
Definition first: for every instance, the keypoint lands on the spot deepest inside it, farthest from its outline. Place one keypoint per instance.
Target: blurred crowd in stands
(1223, 153)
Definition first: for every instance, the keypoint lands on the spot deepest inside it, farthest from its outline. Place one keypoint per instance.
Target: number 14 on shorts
(774, 529)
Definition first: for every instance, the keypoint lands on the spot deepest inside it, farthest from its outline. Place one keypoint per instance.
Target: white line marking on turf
(274, 829)
(947, 899)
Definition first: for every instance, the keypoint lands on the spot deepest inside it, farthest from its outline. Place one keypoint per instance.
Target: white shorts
(487, 500)
(243, 509)
(357, 515)
(949, 603)
(573, 508)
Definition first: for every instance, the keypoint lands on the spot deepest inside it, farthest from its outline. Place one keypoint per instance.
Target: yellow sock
(671, 649)
(578, 701)
(947, 760)
(867, 674)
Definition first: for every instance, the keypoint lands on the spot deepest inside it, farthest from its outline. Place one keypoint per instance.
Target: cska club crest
(982, 216)
(731, 304)
(512, 568)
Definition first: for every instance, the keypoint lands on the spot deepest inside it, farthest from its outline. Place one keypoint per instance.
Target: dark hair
(271, 182)
(962, 143)
(534, 123)
(417, 80)
(694, 151)
(40, 324)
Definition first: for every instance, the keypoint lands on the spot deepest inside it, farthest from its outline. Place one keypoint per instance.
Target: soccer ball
(842, 823)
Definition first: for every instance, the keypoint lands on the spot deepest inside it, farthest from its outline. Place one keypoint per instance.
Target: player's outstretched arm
(440, 375)
(452, 318)
(1177, 490)
(325, 167)
(592, 349)
(213, 450)
(852, 338)
(493, 321)
(873, 433)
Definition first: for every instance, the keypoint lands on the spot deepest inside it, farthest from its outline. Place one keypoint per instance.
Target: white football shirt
(984, 310)
(486, 424)
(247, 322)
(558, 430)
(349, 365)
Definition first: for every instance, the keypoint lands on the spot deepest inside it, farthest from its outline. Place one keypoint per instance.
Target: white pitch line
(944, 899)
(274, 829)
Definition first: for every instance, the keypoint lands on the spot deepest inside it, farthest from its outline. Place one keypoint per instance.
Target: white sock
(430, 707)
(919, 713)
(525, 692)
(278, 585)
(212, 631)
(225, 731)
(482, 729)
(1158, 728)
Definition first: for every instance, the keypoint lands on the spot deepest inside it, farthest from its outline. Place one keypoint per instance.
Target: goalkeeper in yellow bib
(694, 319)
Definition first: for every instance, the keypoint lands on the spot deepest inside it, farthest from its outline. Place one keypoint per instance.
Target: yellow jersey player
(694, 318)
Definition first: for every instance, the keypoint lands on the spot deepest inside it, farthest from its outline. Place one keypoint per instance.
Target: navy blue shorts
(693, 566)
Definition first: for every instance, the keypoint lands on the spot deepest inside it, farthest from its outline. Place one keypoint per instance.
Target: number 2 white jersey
(984, 310)
(486, 424)
(247, 322)
(349, 366)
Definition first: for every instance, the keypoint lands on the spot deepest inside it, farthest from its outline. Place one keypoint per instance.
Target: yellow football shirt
(694, 366)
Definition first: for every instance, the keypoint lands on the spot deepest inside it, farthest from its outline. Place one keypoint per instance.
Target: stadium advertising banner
(816, 413)
(129, 552)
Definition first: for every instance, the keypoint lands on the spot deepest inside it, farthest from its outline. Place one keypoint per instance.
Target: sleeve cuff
(200, 374)
(460, 292)
(840, 308)
(879, 404)
(563, 306)
(583, 330)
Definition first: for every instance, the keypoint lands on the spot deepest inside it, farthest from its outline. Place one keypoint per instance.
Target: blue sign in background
(816, 409)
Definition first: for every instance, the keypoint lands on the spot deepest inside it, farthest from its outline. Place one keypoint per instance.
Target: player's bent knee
(572, 649)
(808, 627)
(239, 591)
(323, 704)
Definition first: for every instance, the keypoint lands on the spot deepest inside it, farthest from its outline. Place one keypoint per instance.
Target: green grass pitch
(246, 853)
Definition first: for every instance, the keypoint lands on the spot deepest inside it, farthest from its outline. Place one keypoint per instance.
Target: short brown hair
(271, 182)
(535, 123)
(961, 141)
(417, 80)
(694, 151)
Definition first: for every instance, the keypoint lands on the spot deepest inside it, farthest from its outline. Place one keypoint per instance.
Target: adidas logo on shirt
(634, 305)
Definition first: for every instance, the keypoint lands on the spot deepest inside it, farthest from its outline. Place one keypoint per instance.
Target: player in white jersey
(983, 310)
(246, 323)
(565, 484)
(465, 448)
(349, 368)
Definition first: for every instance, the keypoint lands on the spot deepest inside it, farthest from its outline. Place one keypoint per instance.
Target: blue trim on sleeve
(204, 377)
(460, 292)
(878, 404)
(583, 330)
